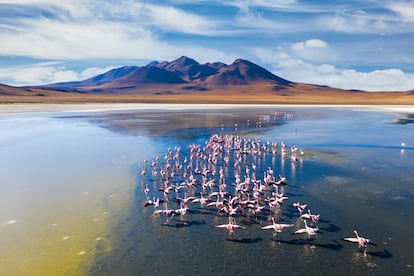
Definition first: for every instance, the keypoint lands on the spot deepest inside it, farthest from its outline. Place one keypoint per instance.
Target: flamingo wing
(305, 216)
(238, 226)
(283, 225)
(351, 239)
(221, 226)
(267, 227)
(301, 231)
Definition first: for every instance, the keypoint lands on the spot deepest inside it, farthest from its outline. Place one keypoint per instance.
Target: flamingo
(203, 200)
(219, 204)
(154, 202)
(300, 207)
(310, 216)
(362, 242)
(186, 200)
(257, 209)
(282, 179)
(309, 230)
(230, 210)
(146, 190)
(166, 212)
(182, 210)
(277, 227)
(166, 190)
(207, 171)
(231, 226)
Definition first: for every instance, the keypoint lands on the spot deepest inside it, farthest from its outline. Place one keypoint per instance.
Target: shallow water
(72, 201)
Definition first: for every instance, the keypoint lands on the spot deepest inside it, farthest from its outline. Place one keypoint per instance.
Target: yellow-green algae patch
(64, 239)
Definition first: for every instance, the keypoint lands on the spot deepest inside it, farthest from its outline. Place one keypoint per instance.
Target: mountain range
(184, 71)
(187, 81)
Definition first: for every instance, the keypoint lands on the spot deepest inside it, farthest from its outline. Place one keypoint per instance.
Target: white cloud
(298, 70)
(47, 72)
(309, 44)
(56, 40)
(314, 50)
(404, 9)
(170, 18)
(93, 71)
(272, 4)
(130, 13)
(370, 21)
(85, 29)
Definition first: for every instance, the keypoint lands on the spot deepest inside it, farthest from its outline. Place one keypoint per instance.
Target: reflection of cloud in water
(337, 180)
(398, 197)
(331, 156)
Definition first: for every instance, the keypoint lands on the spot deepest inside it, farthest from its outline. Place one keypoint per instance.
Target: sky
(350, 44)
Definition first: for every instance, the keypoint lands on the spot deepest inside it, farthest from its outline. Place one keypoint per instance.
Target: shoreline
(25, 108)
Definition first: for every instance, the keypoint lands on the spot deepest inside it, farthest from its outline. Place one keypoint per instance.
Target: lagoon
(72, 200)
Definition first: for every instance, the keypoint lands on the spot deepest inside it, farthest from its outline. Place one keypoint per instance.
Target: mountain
(242, 72)
(190, 69)
(149, 75)
(185, 80)
(184, 70)
(100, 79)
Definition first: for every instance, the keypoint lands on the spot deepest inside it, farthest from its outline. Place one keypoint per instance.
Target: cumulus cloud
(47, 72)
(296, 69)
(308, 44)
(314, 50)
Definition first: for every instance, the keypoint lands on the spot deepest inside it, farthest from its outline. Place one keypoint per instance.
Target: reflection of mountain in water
(405, 119)
(188, 124)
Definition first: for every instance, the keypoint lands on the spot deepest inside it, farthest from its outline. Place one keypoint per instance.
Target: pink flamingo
(219, 204)
(154, 202)
(310, 216)
(277, 227)
(146, 191)
(309, 230)
(166, 212)
(231, 226)
(186, 200)
(203, 200)
(362, 242)
(300, 207)
(182, 210)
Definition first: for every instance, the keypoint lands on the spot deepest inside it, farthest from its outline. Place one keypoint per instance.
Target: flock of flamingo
(227, 174)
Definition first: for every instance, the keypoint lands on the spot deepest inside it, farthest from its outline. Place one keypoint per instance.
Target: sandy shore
(90, 107)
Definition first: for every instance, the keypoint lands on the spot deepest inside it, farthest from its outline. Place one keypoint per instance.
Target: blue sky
(351, 44)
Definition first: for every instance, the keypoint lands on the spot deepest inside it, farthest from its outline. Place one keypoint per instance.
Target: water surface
(72, 196)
